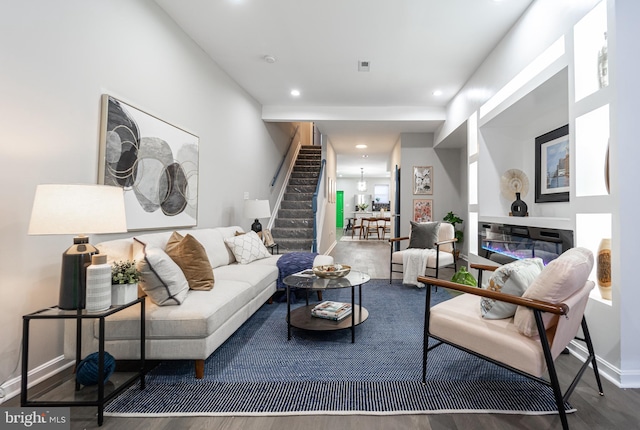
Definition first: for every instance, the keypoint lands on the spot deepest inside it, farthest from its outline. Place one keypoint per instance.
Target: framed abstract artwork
(553, 174)
(156, 164)
(422, 210)
(422, 179)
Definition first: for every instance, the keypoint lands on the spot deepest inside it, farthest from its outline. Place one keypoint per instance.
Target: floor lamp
(77, 210)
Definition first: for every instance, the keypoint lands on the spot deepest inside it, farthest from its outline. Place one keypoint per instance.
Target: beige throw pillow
(192, 258)
(161, 278)
(560, 279)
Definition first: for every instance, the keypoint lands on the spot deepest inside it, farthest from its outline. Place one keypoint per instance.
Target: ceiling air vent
(363, 66)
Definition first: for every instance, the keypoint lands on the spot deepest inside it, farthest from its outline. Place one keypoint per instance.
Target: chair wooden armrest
(558, 309)
(442, 242)
(397, 239)
(483, 267)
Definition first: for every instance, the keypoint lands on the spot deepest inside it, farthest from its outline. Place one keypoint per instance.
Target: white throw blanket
(414, 262)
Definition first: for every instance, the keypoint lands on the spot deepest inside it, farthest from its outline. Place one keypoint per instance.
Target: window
(381, 192)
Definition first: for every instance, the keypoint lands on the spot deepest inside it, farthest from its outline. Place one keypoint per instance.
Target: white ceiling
(414, 47)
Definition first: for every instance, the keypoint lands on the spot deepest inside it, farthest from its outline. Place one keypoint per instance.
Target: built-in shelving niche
(507, 141)
(591, 201)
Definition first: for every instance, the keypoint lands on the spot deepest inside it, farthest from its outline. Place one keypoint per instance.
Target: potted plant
(124, 282)
(459, 234)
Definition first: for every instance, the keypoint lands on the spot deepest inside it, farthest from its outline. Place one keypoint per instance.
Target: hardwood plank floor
(618, 409)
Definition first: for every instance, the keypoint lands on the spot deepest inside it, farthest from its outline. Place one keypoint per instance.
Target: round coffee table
(301, 317)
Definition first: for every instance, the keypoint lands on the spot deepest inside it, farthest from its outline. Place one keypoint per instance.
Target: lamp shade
(77, 209)
(257, 209)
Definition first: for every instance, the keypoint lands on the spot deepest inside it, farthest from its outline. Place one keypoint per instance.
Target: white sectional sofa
(205, 319)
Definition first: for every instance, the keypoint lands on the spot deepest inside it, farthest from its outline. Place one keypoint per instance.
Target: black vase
(518, 207)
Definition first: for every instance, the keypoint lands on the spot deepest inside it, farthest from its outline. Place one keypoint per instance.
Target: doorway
(339, 209)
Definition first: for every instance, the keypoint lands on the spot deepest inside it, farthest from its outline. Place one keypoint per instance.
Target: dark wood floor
(618, 409)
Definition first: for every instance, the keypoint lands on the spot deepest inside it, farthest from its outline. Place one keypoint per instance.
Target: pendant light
(362, 185)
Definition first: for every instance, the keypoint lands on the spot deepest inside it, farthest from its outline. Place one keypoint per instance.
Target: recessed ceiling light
(269, 59)
(437, 93)
(361, 146)
(295, 93)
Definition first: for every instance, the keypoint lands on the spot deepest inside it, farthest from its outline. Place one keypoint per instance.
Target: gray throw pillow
(424, 235)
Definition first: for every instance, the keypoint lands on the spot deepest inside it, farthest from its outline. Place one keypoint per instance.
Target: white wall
(57, 59)
(328, 238)
(417, 150)
(541, 25)
(624, 132)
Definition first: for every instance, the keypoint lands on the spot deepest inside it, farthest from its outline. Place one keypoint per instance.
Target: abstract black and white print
(154, 162)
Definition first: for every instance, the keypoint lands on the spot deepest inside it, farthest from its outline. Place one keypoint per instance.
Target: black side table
(274, 246)
(69, 392)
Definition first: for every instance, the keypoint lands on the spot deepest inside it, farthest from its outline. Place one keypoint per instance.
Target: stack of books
(335, 311)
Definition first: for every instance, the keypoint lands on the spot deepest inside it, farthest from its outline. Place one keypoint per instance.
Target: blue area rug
(258, 372)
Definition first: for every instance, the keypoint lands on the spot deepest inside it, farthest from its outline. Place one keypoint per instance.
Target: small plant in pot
(124, 282)
(454, 219)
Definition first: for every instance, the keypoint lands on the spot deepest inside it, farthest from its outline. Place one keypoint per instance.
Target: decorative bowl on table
(332, 271)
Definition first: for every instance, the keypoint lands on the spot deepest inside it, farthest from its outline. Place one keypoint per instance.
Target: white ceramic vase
(98, 284)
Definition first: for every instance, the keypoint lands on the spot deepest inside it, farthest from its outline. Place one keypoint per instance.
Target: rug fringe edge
(306, 413)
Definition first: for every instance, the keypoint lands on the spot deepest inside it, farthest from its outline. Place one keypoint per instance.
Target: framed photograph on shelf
(553, 174)
(422, 210)
(422, 179)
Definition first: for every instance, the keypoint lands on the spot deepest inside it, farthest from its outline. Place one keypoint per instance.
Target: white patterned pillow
(247, 247)
(513, 278)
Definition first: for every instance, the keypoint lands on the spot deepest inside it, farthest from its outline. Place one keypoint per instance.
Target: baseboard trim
(607, 370)
(35, 376)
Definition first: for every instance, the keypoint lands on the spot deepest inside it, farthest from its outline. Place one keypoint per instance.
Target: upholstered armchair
(545, 320)
(437, 238)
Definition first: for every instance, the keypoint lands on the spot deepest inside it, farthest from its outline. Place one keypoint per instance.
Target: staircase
(293, 228)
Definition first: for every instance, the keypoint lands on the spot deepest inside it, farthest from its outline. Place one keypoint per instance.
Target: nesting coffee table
(301, 318)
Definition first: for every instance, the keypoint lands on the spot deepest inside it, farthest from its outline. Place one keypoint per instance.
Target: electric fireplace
(504, 243)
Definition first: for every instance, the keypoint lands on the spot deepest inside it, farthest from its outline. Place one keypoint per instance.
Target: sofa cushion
(424, 235)
(212, 239)
(201, 314)
(162, 279)
(192, 258)
(512, 278)
(460, 321)
(260, 275)
(560, 279)
(247, 247)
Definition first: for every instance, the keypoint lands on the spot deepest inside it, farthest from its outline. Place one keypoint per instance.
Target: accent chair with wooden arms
(547, 318)
(441, 252)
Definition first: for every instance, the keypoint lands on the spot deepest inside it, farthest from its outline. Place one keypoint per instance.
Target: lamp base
(256, 226)
(73, 279)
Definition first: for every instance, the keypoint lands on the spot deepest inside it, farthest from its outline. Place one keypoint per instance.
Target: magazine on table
(332, 310)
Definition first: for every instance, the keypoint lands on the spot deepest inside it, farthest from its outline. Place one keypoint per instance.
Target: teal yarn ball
(87, 371)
